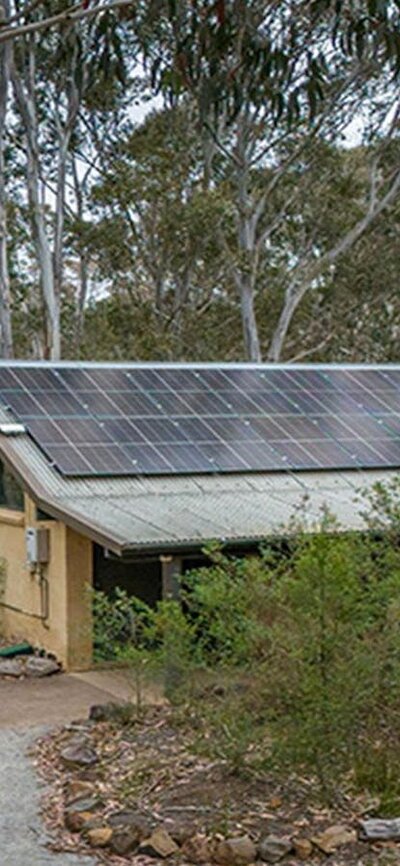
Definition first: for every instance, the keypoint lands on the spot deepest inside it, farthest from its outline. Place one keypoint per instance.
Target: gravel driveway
(22, 838)
(27, 709)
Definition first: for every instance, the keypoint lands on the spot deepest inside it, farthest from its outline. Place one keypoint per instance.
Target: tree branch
(70, 15)
(299, 285)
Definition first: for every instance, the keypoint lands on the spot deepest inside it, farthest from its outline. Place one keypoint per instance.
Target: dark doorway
(137, 577)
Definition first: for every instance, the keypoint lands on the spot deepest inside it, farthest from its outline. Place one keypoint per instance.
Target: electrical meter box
(37, 545)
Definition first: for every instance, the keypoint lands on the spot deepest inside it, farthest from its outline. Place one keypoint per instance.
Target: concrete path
(57, 699)
(27, 709)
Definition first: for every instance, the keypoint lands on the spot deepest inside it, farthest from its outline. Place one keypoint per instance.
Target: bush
(311, 633)
(291, 658)
(119, 620)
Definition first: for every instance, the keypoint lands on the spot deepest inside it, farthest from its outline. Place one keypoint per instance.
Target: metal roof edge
(55, 507)
(201, 365)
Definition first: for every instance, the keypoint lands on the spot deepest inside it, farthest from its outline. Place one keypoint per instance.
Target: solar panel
(94, 420)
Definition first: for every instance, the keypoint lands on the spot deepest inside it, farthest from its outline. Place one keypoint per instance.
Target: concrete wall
(60, 623)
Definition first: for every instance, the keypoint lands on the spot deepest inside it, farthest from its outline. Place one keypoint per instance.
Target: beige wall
(66, 631)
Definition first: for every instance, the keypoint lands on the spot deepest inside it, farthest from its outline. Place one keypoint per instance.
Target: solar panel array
(113, 420)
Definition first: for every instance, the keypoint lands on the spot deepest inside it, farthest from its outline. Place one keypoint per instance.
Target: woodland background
(252, 212)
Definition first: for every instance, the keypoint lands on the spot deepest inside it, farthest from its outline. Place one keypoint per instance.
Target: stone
(237, 851)
(41, 667)
(12, 667)
(111, 712)
(75, 822)
(78, 755)
(197, 849)
(333, 838)
(123, 841)
(181, 832)
(135, 821)
(99, 837)
(272, 848)
(84, 804)
(75, 789)
(379, 830)
(159, 844)
(302, 848)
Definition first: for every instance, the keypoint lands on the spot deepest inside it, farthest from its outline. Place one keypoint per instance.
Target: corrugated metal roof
(167, 513)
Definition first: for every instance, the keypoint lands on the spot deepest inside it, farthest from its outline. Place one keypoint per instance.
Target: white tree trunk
(6, 344)
(25, 100)
(64, 138)
(246, 271)
(249, 322)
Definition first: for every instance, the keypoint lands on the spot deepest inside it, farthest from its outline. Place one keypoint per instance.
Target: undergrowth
(288, 660)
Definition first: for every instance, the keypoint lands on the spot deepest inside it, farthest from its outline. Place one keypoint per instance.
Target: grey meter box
(37, 545)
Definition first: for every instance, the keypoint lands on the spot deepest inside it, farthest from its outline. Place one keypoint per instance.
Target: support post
(171, 570)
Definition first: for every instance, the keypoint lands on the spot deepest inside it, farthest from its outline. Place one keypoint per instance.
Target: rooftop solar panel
(99, 419)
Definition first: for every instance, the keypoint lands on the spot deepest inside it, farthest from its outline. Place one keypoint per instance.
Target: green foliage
(225, 51)
(318, 632)
(153, 643)
(119, 621)
(290, 659)
(333, 659)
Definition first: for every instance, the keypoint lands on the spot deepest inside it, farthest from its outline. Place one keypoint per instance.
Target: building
(120, 473)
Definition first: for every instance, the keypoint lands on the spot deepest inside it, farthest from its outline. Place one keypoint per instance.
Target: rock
(76, 789)
(99, 837)
(235, 852)
(334, 837)
(275, 803)
(111, 712)
(123, 841)
(12, 667)
(78, 755)
(302, 848)
(135, 821)
(85, 804)
(159, 844)
(274, 848)
(41, 667)
(379, 829)
(197, 849)
(181, 832)
(77, 821)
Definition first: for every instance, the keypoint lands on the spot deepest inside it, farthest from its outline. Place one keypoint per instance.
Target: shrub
(290, 658)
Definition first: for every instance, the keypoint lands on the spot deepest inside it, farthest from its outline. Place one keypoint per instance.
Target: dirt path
(27, 709)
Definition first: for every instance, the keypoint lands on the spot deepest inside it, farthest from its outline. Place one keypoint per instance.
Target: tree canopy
(195, 178)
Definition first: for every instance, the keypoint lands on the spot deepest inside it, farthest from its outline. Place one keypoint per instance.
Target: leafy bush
(119, 620)
(290, 658)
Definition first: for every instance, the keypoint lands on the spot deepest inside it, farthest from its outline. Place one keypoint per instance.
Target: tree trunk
(245, 275)
(25, 101)
(52, 349)
(291, 302)
(64, 138)
(249, 322)
(6, 350)
(83, 264)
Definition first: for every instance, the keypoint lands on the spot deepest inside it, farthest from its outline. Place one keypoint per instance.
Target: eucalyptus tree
(268, 79)
(260, 74)
(192, 45)
(156, 226)
(5, 293)
(55, 77)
